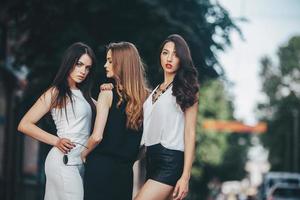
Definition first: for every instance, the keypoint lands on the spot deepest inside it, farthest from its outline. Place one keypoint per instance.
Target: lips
(81, 77)
(169, 66)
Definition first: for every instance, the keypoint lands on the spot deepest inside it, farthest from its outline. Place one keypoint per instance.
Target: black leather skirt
(164, 165)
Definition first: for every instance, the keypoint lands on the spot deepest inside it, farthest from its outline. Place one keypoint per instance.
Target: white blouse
(76, 125)
(163, 122)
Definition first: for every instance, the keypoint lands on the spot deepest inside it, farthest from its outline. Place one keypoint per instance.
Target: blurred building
(9, 141)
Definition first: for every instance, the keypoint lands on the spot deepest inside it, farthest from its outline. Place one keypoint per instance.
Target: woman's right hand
(106, 86)
(65, 145)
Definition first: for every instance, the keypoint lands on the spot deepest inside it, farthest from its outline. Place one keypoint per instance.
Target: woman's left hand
(181, 189)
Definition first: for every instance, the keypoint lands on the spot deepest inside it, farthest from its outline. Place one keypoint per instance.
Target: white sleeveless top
(163, 122)
(76, 125)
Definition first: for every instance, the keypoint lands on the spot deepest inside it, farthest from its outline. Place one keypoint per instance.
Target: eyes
(108, 60)
(165, 53)
(80, 64)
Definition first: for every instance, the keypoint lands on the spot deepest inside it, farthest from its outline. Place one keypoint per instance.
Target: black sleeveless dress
(108, 171)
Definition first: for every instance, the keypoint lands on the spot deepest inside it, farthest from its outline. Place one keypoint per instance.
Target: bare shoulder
(106, 94)
(191, 112)
(48, 95)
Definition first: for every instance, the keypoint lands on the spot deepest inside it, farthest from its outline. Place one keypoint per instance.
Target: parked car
(273, 178)
(284, 191)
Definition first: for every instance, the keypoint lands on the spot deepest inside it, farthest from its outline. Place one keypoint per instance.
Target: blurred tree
(281, 85)
(44, 29)
(49, 27)
(219, 156)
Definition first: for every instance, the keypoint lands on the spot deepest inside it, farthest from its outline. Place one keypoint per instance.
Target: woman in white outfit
(170, 116)
(73, 110)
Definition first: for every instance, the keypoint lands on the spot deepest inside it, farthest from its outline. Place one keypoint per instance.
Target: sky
(271, 23)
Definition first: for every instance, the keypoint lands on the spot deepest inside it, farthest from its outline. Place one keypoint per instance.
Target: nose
(83, 71)
(170, 57)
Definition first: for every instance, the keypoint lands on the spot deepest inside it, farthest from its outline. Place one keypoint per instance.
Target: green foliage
(214, 104)
(42, 30)
(281, 85)
(219, 155)
(47, 28)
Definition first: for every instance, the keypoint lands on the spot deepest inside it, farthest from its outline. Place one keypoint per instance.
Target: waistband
(160, 149)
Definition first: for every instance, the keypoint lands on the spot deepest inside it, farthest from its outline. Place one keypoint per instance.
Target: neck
(72, 84)
(168, 78)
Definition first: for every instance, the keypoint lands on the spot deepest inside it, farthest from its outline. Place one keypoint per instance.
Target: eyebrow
(81, 63)
(168, 50)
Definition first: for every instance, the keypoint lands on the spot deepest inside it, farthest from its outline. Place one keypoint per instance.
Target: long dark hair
(60, 83)
(185, 83)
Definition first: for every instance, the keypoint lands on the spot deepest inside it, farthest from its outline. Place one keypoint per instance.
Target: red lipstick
(169, 66)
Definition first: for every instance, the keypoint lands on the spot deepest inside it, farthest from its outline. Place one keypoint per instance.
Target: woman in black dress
(113, 146)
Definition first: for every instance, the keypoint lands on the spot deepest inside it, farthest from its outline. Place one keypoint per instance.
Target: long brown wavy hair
(131, 84)
(185, 83)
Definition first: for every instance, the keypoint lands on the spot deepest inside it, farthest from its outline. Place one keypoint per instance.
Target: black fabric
(164, 165)
(108, 178)
(108, 172)
(117, 139)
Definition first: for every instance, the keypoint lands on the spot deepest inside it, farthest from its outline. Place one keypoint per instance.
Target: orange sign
(234, 126)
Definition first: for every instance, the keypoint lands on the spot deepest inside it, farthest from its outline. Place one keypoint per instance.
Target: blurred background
(247, 53)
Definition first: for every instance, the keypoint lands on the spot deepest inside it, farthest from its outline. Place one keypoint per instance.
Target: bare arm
(28, 125)
(189, 139)
(105, 86)
(190, 117)
(103, 104)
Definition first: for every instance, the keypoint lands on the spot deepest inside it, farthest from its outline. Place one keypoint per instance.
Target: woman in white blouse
(170, 115)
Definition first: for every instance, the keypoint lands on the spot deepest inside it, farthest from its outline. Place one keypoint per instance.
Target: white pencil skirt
(62, 182)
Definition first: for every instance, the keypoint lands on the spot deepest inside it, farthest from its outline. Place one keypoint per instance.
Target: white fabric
(62, 182)
(163, 122)
(66, 182)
